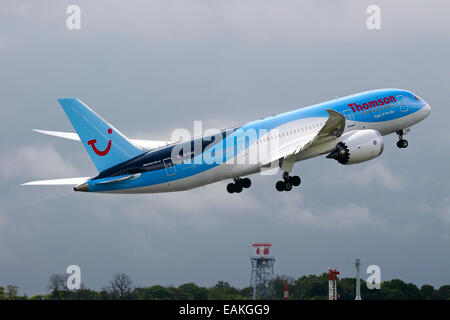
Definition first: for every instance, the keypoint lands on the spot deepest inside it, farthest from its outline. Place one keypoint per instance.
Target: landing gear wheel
(238, 185)
(295, 180)
(246, 182)
(288, 182)
(279, 186)
(402, 143)
(287, 186)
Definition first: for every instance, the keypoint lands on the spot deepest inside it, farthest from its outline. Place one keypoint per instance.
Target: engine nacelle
(358, 146)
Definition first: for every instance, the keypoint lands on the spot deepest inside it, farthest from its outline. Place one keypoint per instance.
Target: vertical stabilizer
(105, 145)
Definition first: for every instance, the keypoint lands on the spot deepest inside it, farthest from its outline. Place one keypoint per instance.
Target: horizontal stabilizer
(151, 144)
(65, 135)
(57, 182)
(146, 144)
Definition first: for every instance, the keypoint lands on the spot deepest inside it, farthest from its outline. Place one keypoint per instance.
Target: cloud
(3, 218)
(329, 217)
(37, 161)
(258, 21)
(377, 172)
(191, 126)
(197, 208)
(250, 22)
(217, 61)
(444, 214)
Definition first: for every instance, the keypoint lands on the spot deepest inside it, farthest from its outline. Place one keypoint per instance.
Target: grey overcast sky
(150, 67)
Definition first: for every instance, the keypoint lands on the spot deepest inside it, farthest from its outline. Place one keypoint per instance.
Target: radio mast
(358, 279)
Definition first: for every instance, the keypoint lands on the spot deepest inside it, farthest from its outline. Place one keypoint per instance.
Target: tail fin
(105, 145)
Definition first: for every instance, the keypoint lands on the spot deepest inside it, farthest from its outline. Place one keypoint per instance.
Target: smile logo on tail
(100, 153)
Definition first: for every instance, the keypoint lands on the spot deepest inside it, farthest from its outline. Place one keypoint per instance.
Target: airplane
(348, 129)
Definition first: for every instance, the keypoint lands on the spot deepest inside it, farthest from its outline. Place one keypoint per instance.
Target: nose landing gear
(288, 182)
(238, 185)
(402, 143)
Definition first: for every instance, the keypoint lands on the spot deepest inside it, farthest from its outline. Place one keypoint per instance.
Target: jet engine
(358, 146)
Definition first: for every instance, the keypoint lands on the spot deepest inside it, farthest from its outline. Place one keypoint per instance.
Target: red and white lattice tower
(262, 262)
(286, 290)
(332, 284)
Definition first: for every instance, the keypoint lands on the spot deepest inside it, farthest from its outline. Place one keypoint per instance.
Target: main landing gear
(238, 185)
(288, 182)
(402, 143)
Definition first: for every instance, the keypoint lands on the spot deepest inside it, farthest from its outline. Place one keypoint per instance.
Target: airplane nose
(427, 110)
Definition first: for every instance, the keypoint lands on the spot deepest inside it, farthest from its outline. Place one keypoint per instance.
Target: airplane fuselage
(386, 111)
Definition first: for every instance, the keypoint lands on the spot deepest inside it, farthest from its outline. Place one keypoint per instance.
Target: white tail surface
(146, 144)
(57, 182)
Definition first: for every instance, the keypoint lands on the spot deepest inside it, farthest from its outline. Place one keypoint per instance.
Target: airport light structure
(286, 290)
(262, 262)
(332, 283)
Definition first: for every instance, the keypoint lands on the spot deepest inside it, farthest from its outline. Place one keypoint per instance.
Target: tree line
(311, 287)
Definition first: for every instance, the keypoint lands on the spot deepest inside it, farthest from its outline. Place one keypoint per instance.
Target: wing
(57, 182)
(146, 144)
(332, 129)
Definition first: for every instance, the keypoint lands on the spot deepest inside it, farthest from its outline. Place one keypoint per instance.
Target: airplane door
(170, 168)
(402, 103)
(349, 118)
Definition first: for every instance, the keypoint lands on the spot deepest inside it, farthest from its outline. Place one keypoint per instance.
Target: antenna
(358, 278)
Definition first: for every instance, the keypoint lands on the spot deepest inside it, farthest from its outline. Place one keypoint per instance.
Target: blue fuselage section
(156, 171)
